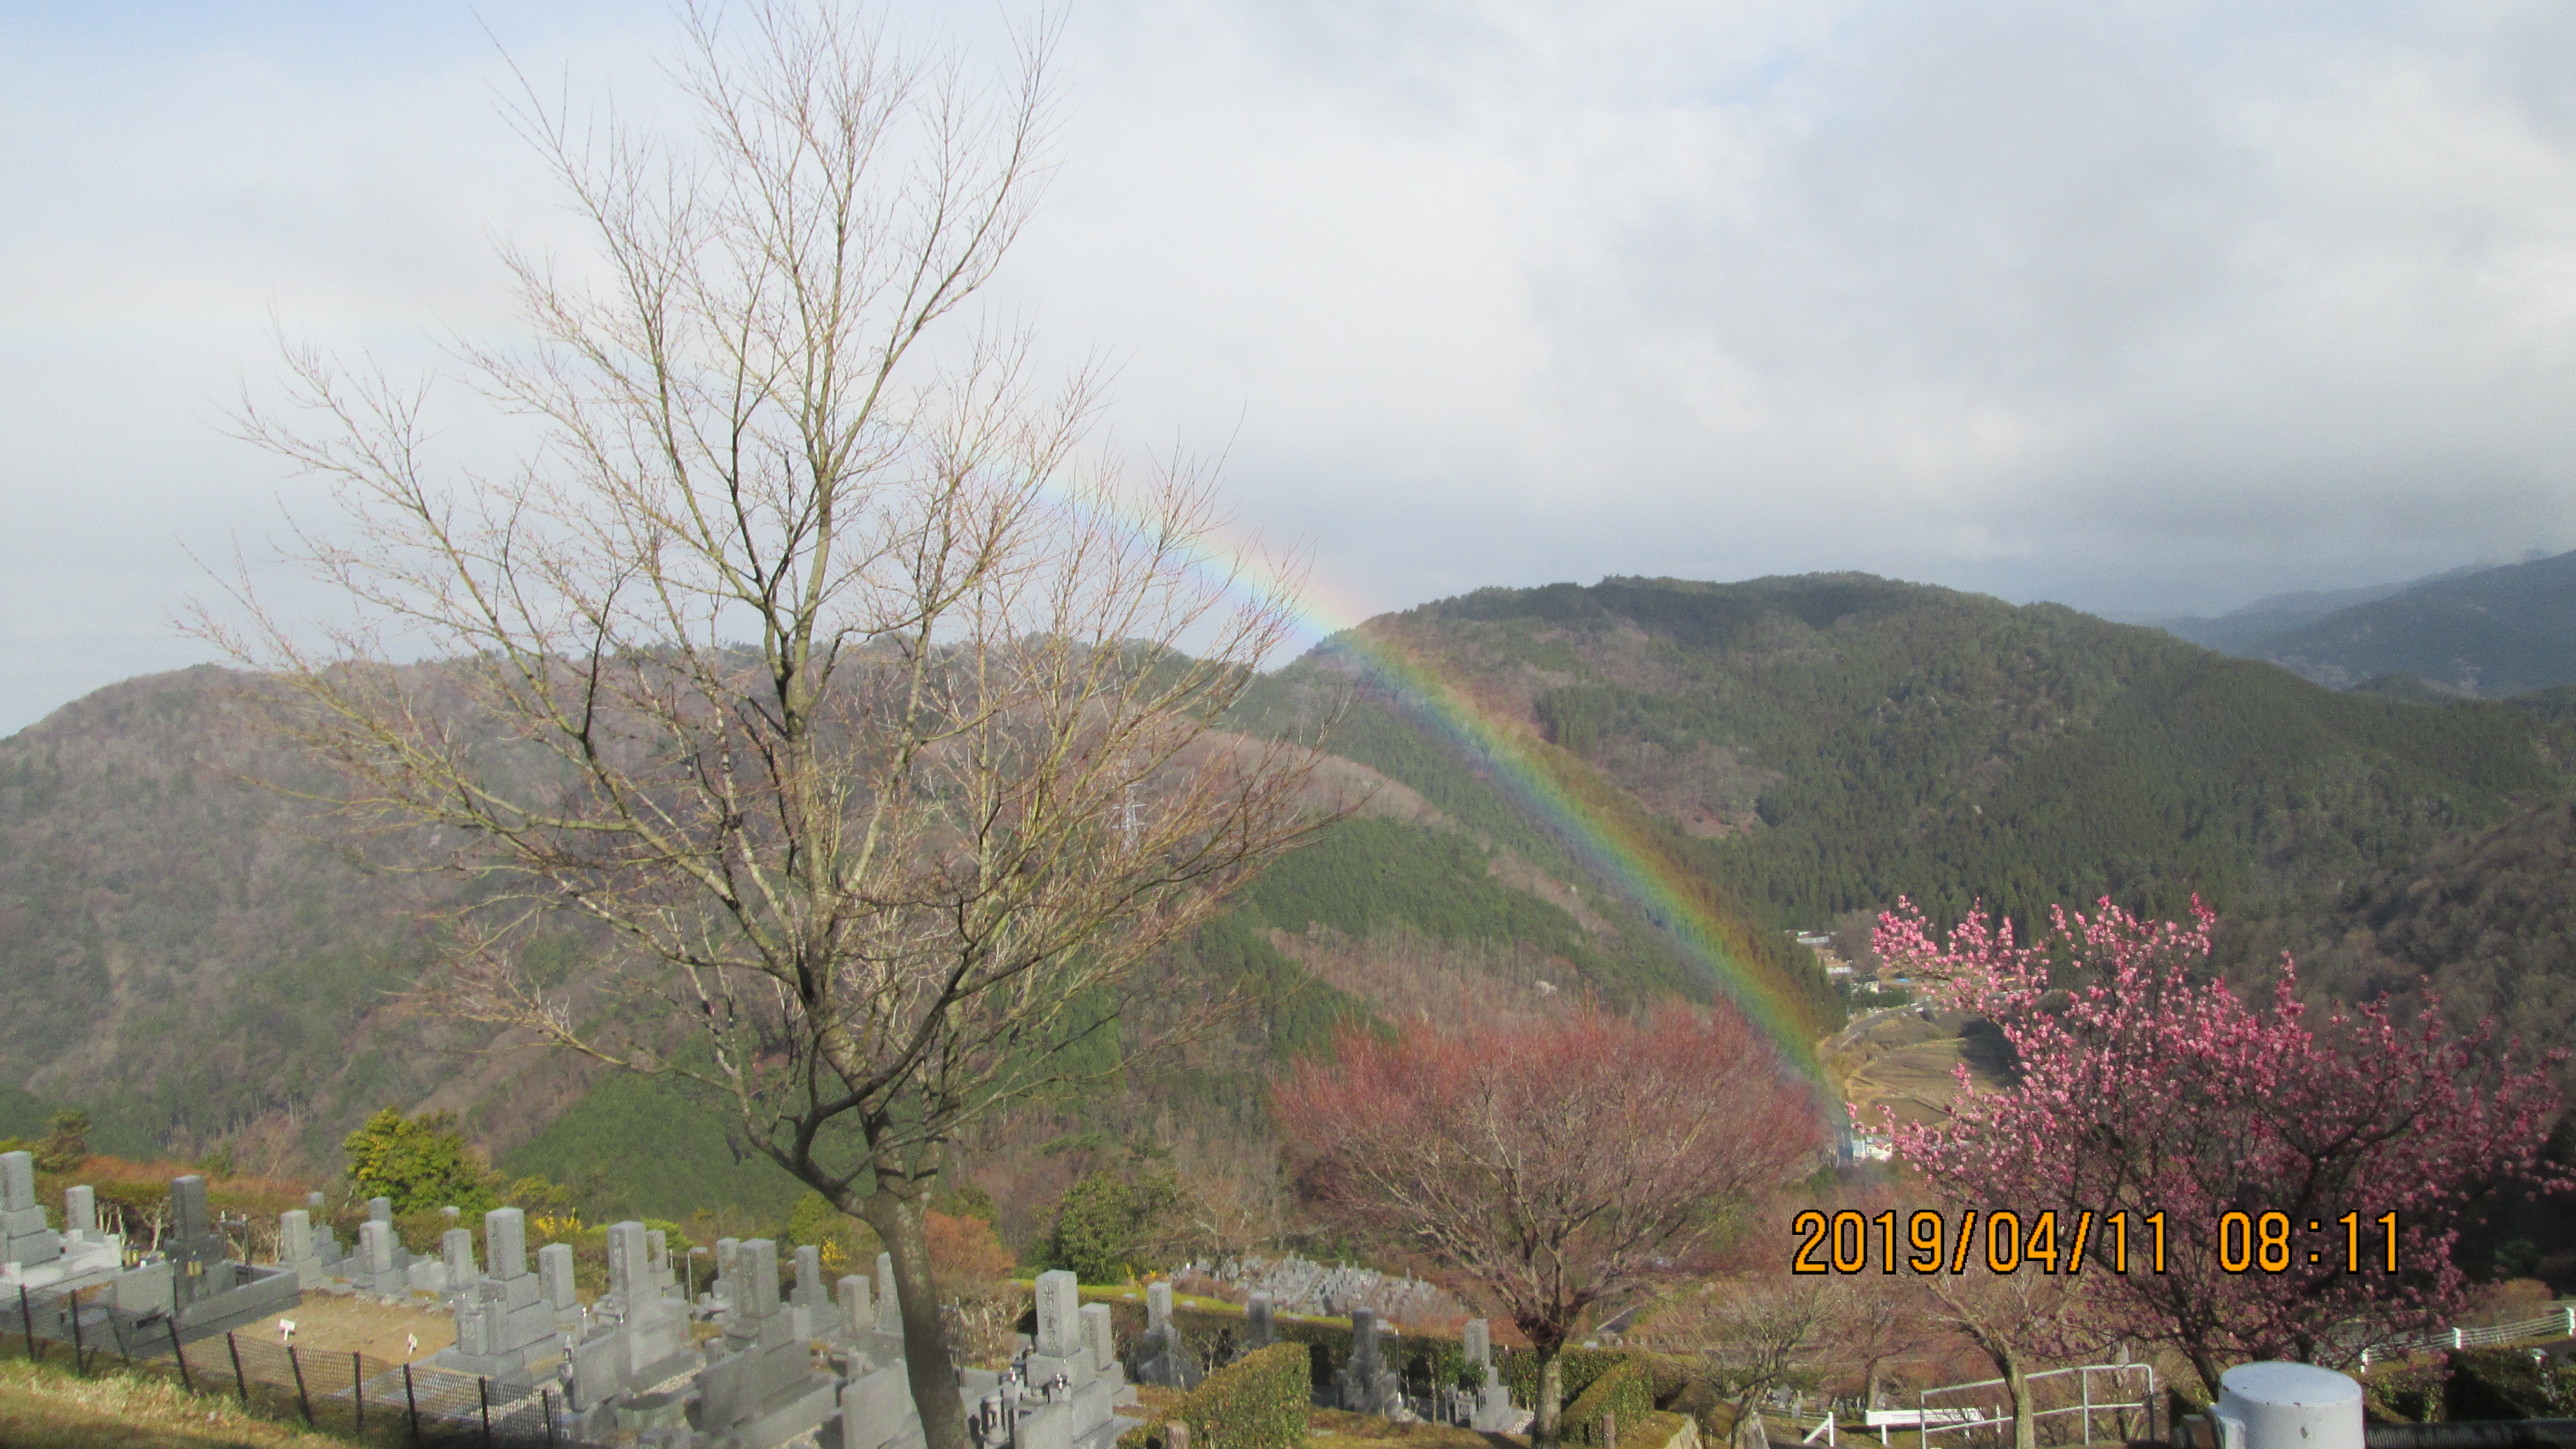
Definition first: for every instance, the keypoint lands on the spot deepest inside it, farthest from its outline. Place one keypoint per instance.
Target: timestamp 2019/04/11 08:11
(2049, 1241)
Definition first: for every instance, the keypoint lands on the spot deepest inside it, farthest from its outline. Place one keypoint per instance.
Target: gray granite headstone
(628, 1261)
(1100, 1334)
(1261, 1327)
(380, 1209)
(1059, 1308)
(505, 1243)
(294, 1235)
(188, 1217)
(554, 1276)
(1158, 1305)
(456, 1247)
(17, 1181)
(889, 1304)
(758, 1259)
(857, 1314)
(80, 1211)
(376, 1245)
(1476, 1341)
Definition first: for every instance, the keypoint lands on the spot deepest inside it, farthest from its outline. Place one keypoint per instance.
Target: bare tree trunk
(902, 1222)
(1546, 1426)
(2025, 1423)
(1747, 1431)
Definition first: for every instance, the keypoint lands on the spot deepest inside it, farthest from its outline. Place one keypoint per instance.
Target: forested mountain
(1829, 742)
(203, 965)
(2486, 633)
(1652, 779)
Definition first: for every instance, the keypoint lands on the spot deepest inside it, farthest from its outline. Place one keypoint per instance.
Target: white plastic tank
(2288, 1406)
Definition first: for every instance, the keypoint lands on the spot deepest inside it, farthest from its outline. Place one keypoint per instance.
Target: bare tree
(1751, 1334)
(875, 733)
(1553, 1169)
(2020, 1322)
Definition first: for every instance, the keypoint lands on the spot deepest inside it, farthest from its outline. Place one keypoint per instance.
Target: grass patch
(47, 1406)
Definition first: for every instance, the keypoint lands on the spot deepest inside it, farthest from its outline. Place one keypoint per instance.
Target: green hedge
(1626, 1391)
(2504, 1383)
(1257, 1402)
(1578, 1367)
(1215, 1334)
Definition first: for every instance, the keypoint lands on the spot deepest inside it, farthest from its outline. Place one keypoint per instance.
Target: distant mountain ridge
(1828, 742)
(2481, 633)
(202, 968)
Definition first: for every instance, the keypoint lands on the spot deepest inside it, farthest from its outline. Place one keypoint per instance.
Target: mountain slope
(199, 963)
(1833, 741)
(2487, 633)
(2238, 629)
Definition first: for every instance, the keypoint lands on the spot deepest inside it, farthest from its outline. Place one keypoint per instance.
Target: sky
(2146, 308)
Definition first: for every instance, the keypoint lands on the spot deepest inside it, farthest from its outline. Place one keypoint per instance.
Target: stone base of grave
(72, 1265)
(1369, 1394)
(318, 1272)
(877, 1411)
(391, 1283)
(1494, 1411)
(522, 1337)
(256, 1293)
(799, 1413)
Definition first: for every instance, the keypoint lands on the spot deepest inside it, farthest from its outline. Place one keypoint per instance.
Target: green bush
(1580, 1366)
(1626, 1392)
(2402, 1393)
(2505, 1383)
(1257, 1402)
(1417, 1361)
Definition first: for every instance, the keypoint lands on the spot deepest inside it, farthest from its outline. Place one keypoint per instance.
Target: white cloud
(2132, 305)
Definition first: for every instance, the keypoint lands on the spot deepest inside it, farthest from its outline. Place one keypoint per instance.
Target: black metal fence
(340, 1392)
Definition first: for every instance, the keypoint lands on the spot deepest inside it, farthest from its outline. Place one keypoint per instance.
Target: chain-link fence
(342, 1392)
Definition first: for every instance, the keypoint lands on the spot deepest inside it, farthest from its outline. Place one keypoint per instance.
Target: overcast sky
(2142, 307)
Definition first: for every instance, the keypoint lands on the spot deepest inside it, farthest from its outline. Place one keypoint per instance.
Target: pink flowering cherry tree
(2143, 1083)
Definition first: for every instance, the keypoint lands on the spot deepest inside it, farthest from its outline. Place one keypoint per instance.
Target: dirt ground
(328, 1321)
(1332, 1426)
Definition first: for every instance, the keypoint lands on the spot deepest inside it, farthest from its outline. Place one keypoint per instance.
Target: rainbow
(1619, 844)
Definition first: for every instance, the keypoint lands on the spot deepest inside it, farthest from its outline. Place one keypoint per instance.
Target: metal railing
(2557, 1323)
(1933, 1420)
(343, 1392)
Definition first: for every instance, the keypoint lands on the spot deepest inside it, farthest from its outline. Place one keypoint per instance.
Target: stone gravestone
(33, 1255)
(295, 1245)
(554, 1283)
(456, 1251)
(717, 1301)
(811, 1306)
(1160, 1357)
(1261, 1328)
(1365, 1385)
(195, 1281)
(889, 1305)
(766, 1390)
(854, 1316)
(1099, 1334)
(327, 1254)
(506, 1324)
(1493, 1412)
(25, 1240)
(657, 1266)
(877, 1411)
(1069, 1384)
(639, 1336)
